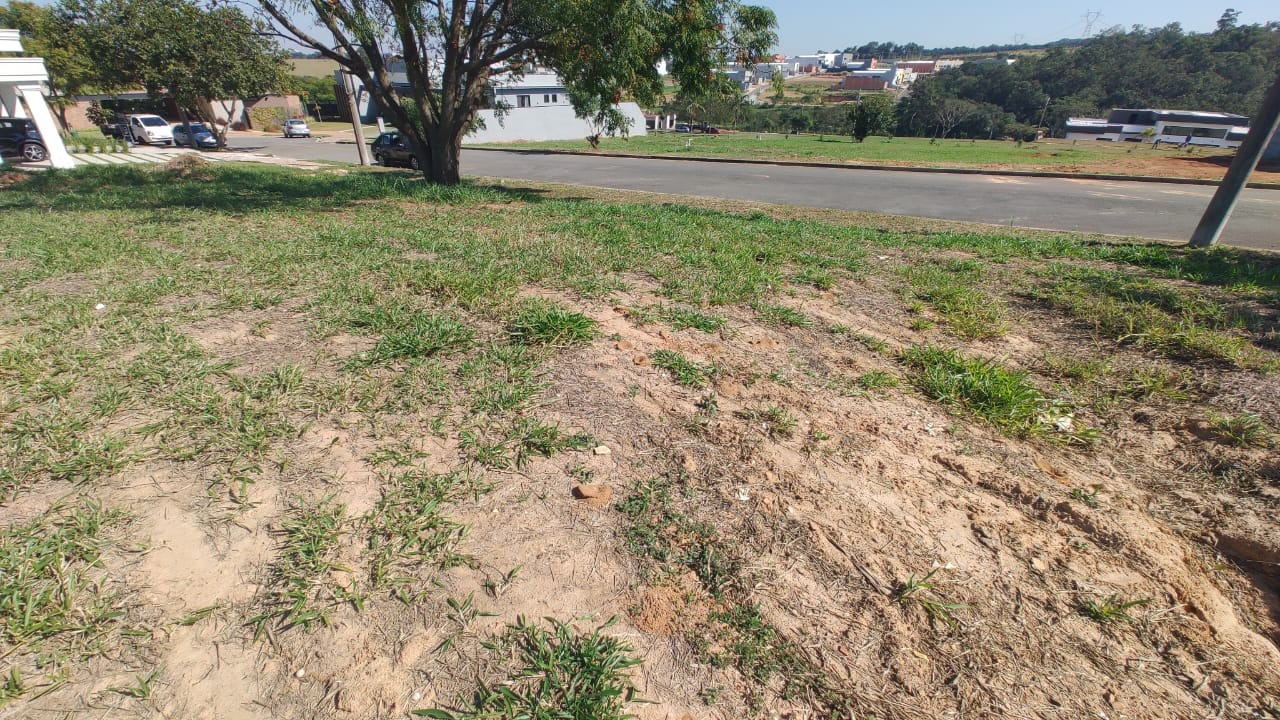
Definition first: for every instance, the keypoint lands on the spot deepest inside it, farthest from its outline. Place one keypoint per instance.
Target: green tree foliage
(178, 49)
(604, 50)
(778, 85)
(312, 89)
(1226, 70)
(46, 34)
(873, 115)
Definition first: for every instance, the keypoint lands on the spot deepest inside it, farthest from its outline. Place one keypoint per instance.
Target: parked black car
(118, 130)
(203, 137)
(19, 138)
(391, 148)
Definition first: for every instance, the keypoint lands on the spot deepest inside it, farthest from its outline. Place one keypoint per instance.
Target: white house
(536, 106)
(531, 107)
(22, 82)
(1214, 129)
(808, 63)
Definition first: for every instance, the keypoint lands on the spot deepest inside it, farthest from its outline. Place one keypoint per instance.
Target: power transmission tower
(1090, 17)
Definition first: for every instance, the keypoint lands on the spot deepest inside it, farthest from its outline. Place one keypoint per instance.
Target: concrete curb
(889, 168)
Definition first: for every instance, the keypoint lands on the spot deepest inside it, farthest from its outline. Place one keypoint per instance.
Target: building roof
(1153, 115)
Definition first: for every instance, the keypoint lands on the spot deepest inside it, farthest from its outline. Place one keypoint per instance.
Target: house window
(555, 98)
(523, 101)
(546, 99)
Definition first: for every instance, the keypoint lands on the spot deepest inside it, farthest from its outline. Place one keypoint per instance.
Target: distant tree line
(1226, 70)
(905, 51)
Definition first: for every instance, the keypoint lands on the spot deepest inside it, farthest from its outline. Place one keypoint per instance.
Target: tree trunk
(443, 153)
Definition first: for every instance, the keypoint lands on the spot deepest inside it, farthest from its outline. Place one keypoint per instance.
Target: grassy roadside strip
(1052, 156)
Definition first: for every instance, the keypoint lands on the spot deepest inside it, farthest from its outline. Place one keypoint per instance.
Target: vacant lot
(343, 445)
(1048, 155)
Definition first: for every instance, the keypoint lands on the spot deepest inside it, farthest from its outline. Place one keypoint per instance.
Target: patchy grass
(660, 528)
(876, 380)
(1005, 398)
(310, 579)
(1245, 429)
(55, 608)
(337, 368)
(553, 673)
(1178, 323)
(781, 315)
(539, 323)
(684, 371)
(951, 289)
(776, 422)
(678, 317)
(422, 336)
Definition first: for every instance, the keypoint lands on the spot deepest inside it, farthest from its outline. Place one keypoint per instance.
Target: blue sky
(810, 25)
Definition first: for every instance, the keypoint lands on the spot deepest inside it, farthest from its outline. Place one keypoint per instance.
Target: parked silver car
(296, 128)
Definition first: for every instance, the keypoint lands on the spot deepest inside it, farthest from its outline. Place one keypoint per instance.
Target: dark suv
(391, 148)
(19, 138)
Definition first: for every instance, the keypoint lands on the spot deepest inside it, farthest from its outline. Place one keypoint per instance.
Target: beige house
(22, 81)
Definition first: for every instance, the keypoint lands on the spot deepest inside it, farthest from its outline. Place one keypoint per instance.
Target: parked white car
(296, 128)
(149, 130)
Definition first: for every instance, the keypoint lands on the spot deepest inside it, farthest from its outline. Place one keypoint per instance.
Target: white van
(149, 129)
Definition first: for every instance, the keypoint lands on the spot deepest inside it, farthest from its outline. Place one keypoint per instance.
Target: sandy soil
(870, 489)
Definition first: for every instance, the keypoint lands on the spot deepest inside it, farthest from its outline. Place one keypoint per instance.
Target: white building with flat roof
(22, 87)
(1192, 127)
(529, 107)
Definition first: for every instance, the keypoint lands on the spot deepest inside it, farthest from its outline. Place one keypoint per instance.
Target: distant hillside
(1226, 70)
(904, 51)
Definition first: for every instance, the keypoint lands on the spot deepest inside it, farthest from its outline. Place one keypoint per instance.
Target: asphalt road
(1149, 210)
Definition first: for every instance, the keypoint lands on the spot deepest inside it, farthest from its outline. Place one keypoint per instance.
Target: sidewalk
(146, 155)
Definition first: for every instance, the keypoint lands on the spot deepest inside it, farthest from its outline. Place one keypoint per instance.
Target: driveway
(1149, 210)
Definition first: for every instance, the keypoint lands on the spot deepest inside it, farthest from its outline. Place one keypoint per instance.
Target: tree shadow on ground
(235, 189)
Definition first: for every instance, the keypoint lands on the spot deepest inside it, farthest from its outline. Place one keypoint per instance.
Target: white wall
(547, 122)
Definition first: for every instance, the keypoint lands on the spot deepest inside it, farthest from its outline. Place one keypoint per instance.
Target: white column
(9, 99)
(48, 127)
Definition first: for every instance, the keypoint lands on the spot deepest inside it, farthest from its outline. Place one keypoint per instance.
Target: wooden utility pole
(1255, 143)
(349, 89)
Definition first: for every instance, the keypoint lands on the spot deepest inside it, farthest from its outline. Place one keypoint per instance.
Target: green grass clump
(1110, 611)
(775, 421)
(303, 587)
(781, 315)
(876, 380)
(539, 323)
(54, 607)
(819, 278)
(924, 592)
(553, 674)
(424, 336)
(1245, 430)
(678, 317)
(951, 289)
(684, 371)
(1005, 398)
(408, 527)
